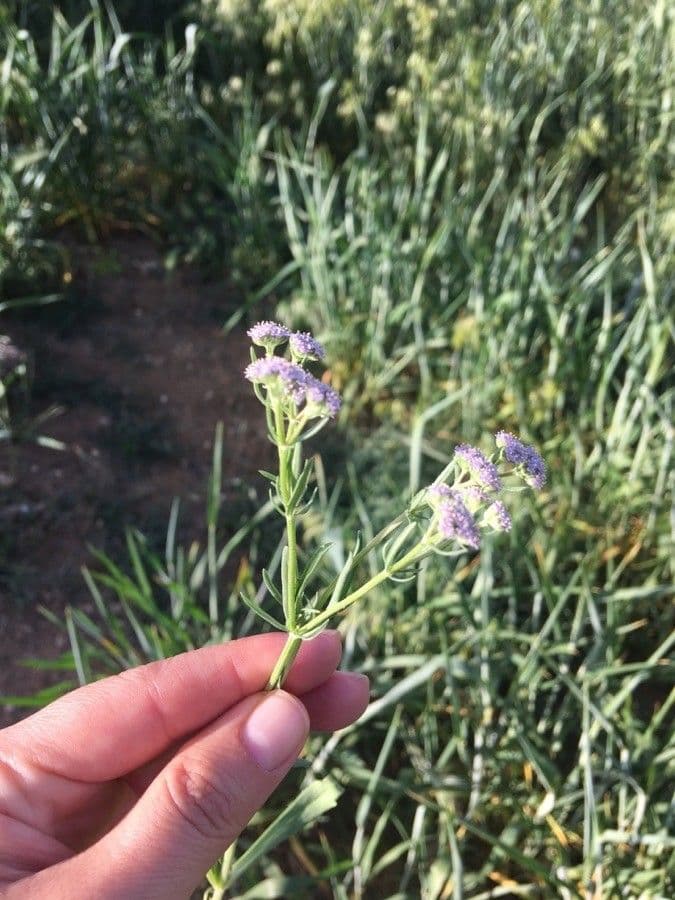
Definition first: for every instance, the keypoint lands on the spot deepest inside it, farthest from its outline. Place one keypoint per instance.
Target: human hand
(132, 787)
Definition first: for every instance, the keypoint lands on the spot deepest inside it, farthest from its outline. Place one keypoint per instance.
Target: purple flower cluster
(304, 346)
(439, 491)
(276, 372)
(455, 522)
(322, 397)
(271, 335)
(291, 381)
(268, 334)
(457, 507)
(482, 470)
(526, 458)
(461, 510)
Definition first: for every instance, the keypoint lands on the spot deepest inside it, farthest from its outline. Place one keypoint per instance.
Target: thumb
(196, 806)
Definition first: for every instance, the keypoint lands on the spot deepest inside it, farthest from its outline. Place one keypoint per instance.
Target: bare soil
(136, 360)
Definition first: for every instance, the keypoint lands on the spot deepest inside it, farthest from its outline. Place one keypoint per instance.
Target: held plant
(445, 518)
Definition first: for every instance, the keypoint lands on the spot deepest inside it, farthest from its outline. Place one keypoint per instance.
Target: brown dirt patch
(138, 363)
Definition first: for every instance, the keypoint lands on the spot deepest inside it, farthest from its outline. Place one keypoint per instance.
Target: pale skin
(133, 786)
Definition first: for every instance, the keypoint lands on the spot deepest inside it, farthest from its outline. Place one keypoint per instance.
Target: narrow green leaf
(300, 485)
(263, 614)
(312, 566)
(315, 800)
(271, 586)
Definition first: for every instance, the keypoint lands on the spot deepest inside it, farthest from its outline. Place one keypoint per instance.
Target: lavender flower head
(304, 346)
(526, 458)
(437, 492)
(292, 382)
(269, 334)
(479, 466)
(497, 516)
(277, 373)
(320, 399)
(456, 522)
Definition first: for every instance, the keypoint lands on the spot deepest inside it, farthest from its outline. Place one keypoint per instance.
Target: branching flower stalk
(447, 517)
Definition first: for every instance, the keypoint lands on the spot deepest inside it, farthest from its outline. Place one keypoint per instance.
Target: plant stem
(284, 663)
(293, 644)
(292, 573)
(286, 486)
(413, 556)
(226, 867)
(372, 544)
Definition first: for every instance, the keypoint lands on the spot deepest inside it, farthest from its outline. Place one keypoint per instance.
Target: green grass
(102, 131)
(474, 210)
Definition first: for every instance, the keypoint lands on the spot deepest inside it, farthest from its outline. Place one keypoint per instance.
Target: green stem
(292, 572)
(218, 875)
(413, 556)
(372, 544)
(228, 860)
(286, 486)
(284, 663)
(284, 472)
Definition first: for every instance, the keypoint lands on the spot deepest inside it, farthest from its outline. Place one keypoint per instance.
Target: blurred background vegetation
(472, 205)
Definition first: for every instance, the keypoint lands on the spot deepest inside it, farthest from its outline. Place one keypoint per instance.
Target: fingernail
(276, 730)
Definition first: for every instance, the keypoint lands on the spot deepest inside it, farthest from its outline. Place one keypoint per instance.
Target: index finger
(107, 729)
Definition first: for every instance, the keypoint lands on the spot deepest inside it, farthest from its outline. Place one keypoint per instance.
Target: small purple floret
(481, 468)
(324, 397)
(519, 454)
(295, 383)
(439, 491)
(497, 516)
(305, 346)
(291, 377)
(268, 334)
(456, 522)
